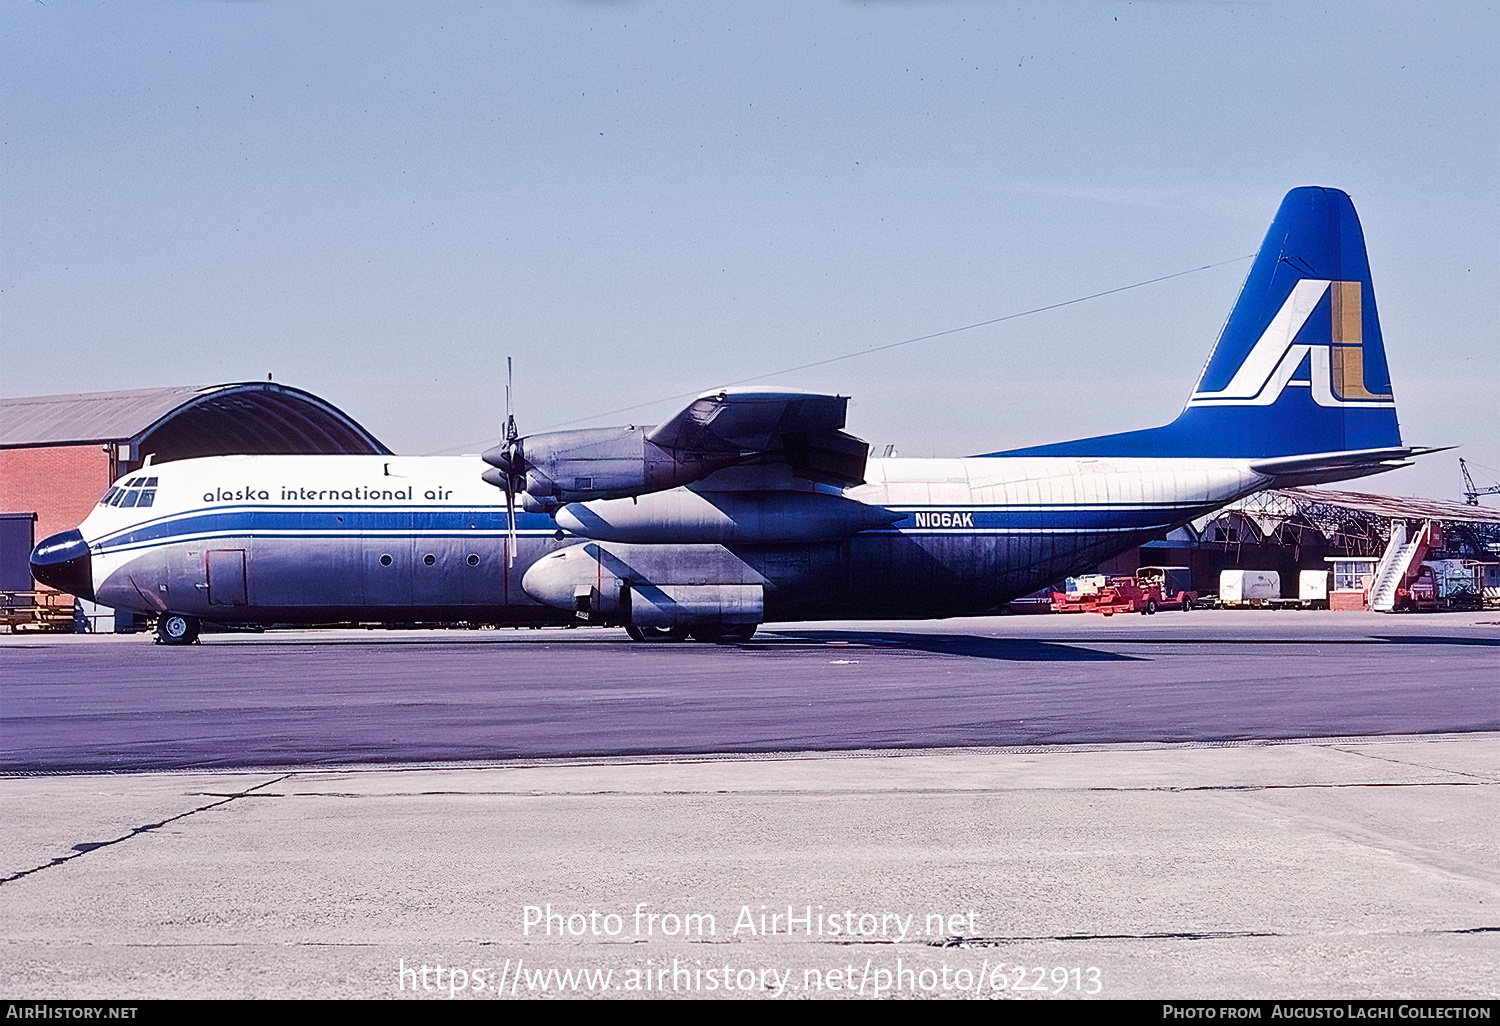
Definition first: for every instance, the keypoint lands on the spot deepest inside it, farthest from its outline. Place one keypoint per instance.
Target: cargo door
(226, 577)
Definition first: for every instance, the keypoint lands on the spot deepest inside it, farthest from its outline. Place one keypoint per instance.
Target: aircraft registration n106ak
(754, 505)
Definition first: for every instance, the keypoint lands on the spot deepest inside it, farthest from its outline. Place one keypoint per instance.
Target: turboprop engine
(559, 467)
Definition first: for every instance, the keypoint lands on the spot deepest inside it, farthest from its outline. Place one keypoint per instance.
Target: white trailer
(1241, 589)
(1312, 589)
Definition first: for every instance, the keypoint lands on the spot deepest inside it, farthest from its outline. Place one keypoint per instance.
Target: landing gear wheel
(732, 635)
(176, 629)
(656, 633)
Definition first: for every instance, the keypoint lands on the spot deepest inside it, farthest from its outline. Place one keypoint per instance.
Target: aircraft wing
(802, 429)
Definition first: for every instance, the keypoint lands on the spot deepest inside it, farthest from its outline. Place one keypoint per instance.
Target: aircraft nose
(63, 562)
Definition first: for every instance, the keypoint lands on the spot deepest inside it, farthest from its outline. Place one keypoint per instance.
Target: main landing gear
(731, 635)
(657, 633)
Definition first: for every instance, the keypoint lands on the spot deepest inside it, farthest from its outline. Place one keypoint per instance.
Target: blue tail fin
(1299, 367)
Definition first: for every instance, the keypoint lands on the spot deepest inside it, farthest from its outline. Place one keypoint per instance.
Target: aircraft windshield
(138, 491)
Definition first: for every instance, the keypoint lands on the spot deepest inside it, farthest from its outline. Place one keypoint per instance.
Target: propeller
(509, 467)
(512, 465)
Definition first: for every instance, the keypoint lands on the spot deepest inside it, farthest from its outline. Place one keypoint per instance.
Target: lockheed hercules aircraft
(755, 505)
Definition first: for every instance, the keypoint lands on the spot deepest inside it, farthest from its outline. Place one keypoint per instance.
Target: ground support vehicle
(1440, 585)
(1096, 593)
(1170, 587)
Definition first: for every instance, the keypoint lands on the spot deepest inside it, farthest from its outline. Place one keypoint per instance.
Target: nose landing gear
(176, 629)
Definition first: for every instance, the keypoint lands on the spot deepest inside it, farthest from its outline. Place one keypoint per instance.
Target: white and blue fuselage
(321, 539)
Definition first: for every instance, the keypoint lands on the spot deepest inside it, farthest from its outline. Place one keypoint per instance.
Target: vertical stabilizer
(1300, 365)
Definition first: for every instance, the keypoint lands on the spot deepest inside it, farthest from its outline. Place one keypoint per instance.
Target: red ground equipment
(1095, 593)
(1171, 586)
(1152, 588)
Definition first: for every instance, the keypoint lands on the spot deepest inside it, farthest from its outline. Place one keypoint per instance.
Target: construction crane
(1471, 493)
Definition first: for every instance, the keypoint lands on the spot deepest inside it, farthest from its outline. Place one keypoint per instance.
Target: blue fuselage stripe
(322, 522)
(301, 522)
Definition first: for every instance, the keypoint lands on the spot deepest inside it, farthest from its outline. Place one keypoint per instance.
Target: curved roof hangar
(175, 423)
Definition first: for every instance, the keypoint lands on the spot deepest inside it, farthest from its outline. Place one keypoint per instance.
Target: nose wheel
(176, 629)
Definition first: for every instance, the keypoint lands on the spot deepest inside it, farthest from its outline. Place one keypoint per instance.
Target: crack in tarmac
(855, 792)
(995, 942)
(80, 850)
(1420, 765)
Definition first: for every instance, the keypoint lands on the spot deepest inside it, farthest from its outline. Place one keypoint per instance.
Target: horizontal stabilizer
(1336, 466)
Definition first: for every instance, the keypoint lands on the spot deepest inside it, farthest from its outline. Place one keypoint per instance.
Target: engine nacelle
(598, 463)
(684, 516)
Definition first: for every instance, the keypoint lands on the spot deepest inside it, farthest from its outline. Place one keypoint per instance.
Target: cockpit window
(138, 491)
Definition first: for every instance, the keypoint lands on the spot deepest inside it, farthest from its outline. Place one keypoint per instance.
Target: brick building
(59, 453)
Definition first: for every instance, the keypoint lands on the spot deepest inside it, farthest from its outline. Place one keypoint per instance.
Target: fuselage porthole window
(385, 560)
(473, 559)
(429, 559)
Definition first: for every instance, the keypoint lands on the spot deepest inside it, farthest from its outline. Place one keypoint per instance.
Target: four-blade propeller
(509, 474)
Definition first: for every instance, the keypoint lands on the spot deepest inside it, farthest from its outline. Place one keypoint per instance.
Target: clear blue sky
(380, 202)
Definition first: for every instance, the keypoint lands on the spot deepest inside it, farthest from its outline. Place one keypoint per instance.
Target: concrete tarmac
(1346, 870)
(1220, 867)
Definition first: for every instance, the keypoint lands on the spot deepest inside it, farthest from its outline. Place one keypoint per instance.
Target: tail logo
(1337, 368)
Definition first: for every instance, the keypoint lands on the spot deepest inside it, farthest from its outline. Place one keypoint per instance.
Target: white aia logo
(1338, 368)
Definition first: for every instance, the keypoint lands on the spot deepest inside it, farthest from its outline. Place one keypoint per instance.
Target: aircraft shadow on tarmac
(1424, 639)
(1027, 650)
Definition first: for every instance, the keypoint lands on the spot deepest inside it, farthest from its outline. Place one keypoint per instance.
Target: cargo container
(1248, 588)
(1312, 589)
